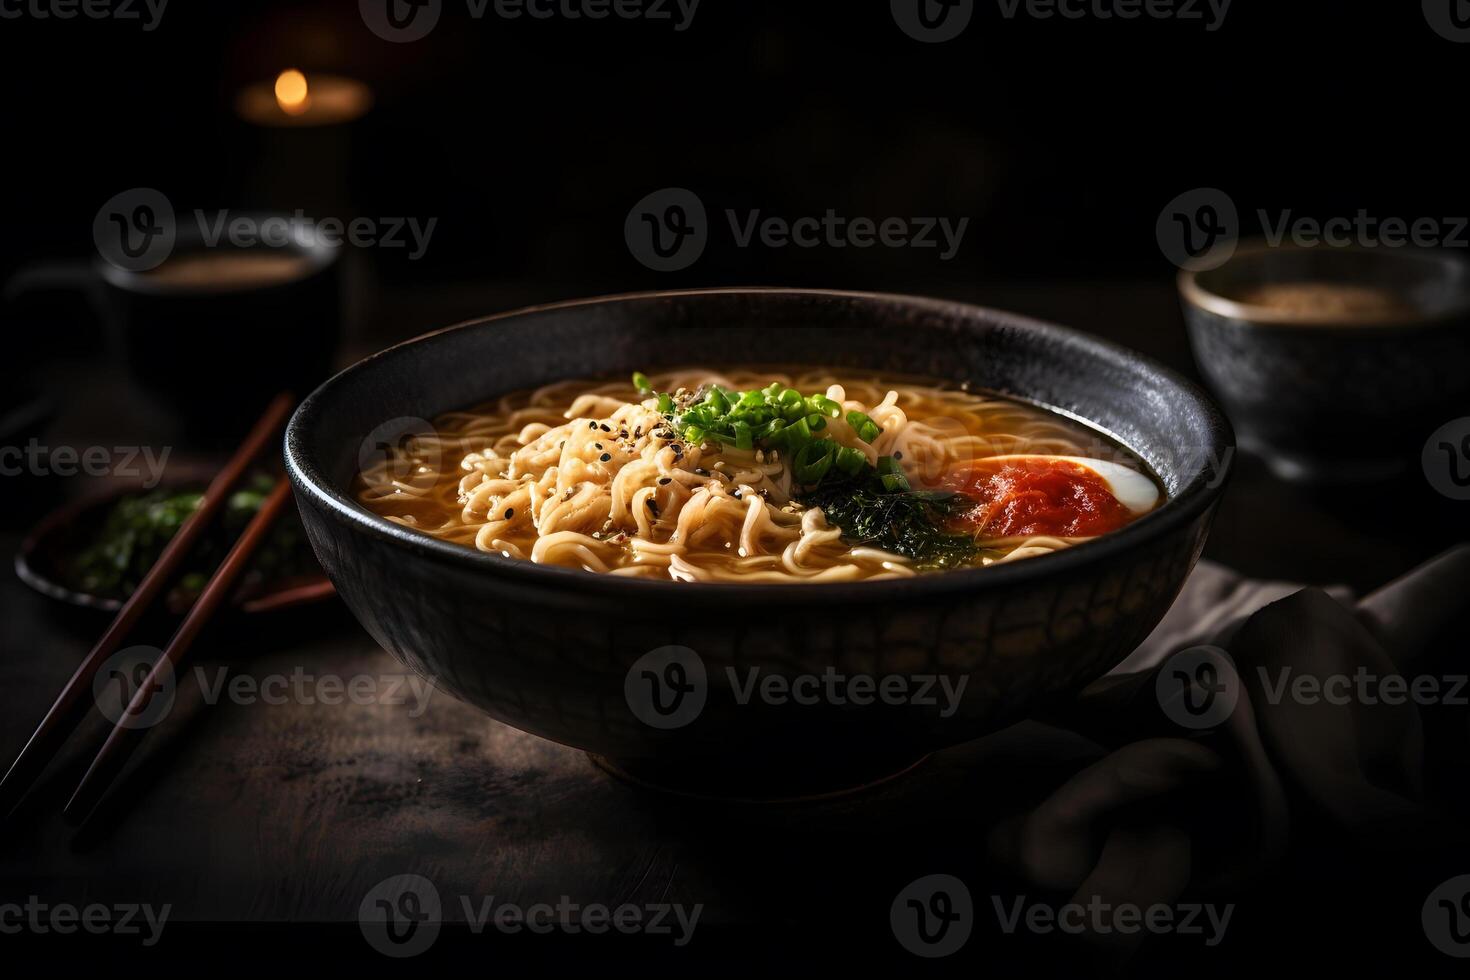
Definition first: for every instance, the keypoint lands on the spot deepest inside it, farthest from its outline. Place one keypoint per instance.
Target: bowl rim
(1178, 511)
(1251, 315)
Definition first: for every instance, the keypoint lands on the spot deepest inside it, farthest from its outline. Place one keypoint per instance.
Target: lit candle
(295, 99)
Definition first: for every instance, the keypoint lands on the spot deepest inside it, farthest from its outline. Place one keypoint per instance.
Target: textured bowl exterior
(1332, 397)
(548, 650)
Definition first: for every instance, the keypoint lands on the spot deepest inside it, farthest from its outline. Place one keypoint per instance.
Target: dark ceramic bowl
(1334, 396)
(550, 650)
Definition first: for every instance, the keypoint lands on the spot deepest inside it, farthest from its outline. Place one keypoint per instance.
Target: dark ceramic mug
(1340, 391)
(211, 329)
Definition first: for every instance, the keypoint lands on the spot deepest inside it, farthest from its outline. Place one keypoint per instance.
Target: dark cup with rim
(215, 329)
(1334, 364)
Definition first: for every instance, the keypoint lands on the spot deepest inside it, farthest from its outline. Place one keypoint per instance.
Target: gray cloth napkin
(1178, 805)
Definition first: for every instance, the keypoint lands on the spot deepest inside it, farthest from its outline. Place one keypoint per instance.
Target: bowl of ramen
(1334, 364)
(758, 542)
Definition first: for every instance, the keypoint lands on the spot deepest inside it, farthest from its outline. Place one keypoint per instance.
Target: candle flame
(291, 92)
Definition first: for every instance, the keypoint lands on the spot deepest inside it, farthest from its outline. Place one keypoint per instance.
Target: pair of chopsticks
(71, 704)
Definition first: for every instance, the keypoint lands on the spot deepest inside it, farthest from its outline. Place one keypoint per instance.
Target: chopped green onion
(850, 460)
(641, 382)
(813, 461)
(892, 474)
(826, 406)
(716, 400)
(867, 430)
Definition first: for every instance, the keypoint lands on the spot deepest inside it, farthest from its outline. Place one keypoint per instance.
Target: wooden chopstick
(124, 738)
(71, 703)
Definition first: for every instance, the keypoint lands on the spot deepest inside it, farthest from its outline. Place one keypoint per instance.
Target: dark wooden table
(249, 816)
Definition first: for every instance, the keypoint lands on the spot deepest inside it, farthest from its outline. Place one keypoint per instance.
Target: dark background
(530, 140)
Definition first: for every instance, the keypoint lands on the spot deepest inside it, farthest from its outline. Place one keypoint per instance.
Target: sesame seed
(605, 457)
(663, 480)
(510, 512)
